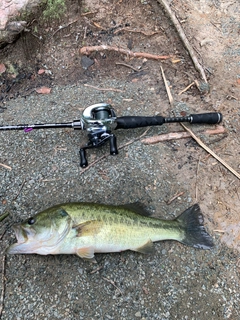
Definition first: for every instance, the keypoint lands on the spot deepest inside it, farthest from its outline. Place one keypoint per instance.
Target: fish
(88, 228)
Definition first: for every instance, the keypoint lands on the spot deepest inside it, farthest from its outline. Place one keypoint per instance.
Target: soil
(177, 282)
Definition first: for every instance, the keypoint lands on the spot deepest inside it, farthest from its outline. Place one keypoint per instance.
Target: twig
(184, 90)
(5, 166)
(183, 38)
(196, 190)
(180, 135)
(170, 98)
(85, 33)
(98, 26)
(175, 197)
(3, 285)
(219, 230)
(49, 180)
(3, 216)
(128, 66)
(19, 190)
(102, 89)
(96, 270)
(112, 282)
(9, 206)
(89, 49)
(137, 31)
(87, 13)
(203, 145)
(65, 26)
(210, 151)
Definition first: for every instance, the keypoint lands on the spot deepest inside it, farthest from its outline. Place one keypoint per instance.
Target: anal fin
(147, 248)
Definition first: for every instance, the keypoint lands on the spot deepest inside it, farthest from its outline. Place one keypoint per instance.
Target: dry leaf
(43, 90)
(2, 68)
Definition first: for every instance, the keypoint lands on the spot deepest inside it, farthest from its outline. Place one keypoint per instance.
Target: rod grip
(210, 118)
(131, 122)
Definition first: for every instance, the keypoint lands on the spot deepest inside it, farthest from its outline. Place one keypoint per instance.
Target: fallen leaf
(2, 68)
(4, 201)
(238, 81)
(41, 71)
(43, 90)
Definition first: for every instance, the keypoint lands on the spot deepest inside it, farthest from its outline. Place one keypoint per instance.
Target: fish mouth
(22, 245)
(20, 234)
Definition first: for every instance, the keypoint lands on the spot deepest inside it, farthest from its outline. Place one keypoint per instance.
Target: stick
(3, 216)
(89, 49)
(183, 38)
(184, 90)
(65, 26)
(175, 197)
(180, 135)
(96, 270)
(196, 189)
(5, 166)
(3, 285)
(203, 145)
(170, 98)
(112, 282)
(137, 31)
(128, 66)
(103, 89)
(199, 141)
(14, 199)
(98, 26)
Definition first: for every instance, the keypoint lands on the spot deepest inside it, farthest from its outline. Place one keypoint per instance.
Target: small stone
(86, 62)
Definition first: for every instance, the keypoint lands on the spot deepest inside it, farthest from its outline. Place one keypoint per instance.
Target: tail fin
(191, 220)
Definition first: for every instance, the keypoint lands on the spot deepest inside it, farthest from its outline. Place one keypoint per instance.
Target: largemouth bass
(87, 228)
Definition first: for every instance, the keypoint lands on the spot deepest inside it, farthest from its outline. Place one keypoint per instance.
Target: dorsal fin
(138, 208)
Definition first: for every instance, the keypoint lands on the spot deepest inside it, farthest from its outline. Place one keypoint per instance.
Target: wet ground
(176, 282)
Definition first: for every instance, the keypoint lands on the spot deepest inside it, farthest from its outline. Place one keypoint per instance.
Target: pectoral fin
(86, 253)
(88, 228)
(146, 248)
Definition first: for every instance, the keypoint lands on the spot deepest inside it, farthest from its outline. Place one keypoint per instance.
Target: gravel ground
(177, 282)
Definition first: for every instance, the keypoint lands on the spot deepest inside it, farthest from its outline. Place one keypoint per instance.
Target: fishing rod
(99, 120)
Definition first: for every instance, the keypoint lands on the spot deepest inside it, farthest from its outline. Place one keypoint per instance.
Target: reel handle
(83, 159)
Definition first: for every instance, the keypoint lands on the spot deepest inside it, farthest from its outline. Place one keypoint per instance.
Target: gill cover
(42, 233)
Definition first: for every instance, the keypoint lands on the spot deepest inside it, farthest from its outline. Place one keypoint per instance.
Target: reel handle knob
(113, 145)
(83, 159)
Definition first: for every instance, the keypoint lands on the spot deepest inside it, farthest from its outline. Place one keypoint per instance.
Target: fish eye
(31, 221)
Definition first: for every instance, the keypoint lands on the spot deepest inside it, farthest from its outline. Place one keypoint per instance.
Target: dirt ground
(177, 282)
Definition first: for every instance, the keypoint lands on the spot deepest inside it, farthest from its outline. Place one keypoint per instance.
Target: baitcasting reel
(98, 120)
